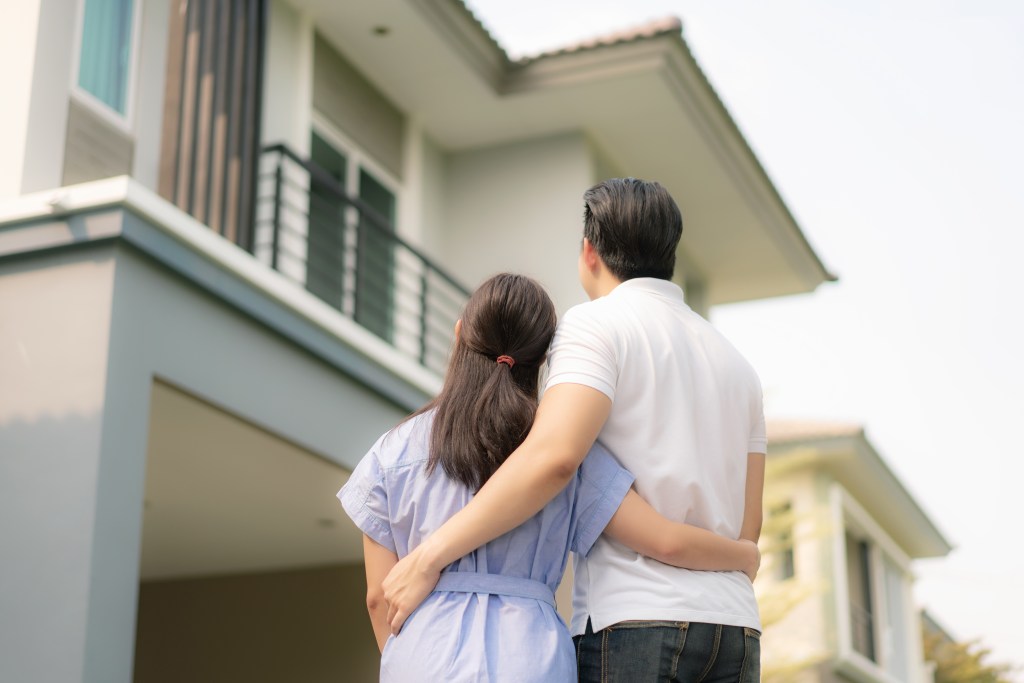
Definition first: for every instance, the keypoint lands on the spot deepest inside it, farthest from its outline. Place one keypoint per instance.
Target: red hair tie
(507, 360)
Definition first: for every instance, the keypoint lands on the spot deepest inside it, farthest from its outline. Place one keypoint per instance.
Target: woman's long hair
(486, 408)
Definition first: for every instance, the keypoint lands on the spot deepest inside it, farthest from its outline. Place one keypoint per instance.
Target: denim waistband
(495, 584)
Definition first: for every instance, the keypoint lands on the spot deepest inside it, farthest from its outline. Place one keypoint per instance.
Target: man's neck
(604, 285)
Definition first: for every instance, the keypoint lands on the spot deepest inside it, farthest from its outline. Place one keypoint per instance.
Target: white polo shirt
(686, 410)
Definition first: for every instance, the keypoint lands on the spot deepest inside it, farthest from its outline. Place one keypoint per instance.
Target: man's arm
(753, 498)
(568, 421)
(379, 561)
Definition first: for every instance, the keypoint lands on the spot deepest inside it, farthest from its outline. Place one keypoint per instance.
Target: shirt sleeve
(758, 440)
(583, 352)
(365, 499)
(601, 485)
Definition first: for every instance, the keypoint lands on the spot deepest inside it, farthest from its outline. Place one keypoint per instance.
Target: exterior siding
(95, 148)
(353, 104)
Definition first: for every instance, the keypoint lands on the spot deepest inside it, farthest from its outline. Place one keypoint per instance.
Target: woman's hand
(407, 585)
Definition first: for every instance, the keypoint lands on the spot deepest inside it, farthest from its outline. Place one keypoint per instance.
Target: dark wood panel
(212, 111)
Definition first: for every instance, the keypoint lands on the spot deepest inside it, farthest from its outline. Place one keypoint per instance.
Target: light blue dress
(492, 616)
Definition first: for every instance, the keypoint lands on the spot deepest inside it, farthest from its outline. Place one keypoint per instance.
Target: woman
(492, 616)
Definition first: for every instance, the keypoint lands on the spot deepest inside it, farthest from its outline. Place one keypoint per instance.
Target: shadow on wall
(307, 625)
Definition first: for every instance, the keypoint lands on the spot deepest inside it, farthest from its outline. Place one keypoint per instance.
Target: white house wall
(801, 635)
(519, 207)
(18, 33)
(36, 43)
(421, 211)
(288, 79)
(149, 89)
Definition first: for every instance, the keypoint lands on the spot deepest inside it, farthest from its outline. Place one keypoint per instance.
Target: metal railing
(348, 254)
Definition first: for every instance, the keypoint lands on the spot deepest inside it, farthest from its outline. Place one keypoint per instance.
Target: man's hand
(754, 563)
(407, 585)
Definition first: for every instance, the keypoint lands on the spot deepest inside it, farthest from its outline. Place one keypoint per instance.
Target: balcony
(347, 254)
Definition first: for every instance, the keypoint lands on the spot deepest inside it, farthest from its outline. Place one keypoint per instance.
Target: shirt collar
(650, 285)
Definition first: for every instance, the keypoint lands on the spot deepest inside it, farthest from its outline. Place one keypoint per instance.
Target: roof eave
(897, 511)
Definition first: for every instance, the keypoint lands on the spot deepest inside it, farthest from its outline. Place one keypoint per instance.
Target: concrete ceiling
(224, 496)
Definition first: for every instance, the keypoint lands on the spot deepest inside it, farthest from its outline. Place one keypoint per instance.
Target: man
(681, 409)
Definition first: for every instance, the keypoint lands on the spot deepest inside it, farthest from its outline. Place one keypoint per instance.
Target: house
(234, 238)
(840, 536)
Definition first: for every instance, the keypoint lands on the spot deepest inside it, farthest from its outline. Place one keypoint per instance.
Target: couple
(470, 507)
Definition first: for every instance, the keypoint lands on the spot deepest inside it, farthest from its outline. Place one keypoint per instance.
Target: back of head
(486, 407)
(634, 225)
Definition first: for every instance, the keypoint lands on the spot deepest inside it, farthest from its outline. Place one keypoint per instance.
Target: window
(350, 254)
(895, 633)
(873, 598)
(375, 262)
(780, 525)
(860, 589)
(104, 65)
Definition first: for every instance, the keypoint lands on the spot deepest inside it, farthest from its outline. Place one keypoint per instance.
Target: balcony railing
(348, 254)
(862, 633)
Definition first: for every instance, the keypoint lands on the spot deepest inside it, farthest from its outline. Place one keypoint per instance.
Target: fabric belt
(495, 584)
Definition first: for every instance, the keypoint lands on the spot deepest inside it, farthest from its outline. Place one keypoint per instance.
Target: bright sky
(895, 132)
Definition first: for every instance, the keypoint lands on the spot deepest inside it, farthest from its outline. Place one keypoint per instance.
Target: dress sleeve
(365, 499)
(583, 351)
(601, 485)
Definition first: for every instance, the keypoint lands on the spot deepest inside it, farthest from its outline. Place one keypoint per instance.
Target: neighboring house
(840, 535)
(232, 237)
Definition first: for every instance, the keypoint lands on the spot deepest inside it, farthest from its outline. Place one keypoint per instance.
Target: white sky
(895, 132)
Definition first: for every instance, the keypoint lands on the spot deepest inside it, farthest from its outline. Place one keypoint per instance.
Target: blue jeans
(682, 651)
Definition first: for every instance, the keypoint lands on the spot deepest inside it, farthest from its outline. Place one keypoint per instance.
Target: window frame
(356, 158)
(124, 122)
(784, 557)
(849, 517)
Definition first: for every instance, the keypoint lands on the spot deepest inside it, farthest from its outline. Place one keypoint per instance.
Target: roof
(843, 451)
(787, 431)
(658, 27)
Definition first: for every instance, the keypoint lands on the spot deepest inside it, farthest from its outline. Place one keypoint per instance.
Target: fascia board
(721, 133)
(905, 506)
(467, 37)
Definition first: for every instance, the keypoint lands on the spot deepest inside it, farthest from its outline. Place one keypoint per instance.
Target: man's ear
(589, 256)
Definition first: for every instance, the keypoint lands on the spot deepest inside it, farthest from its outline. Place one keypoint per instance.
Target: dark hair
(634, 225)
(486, 408)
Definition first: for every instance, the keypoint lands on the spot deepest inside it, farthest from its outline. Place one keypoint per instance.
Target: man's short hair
(634, 225)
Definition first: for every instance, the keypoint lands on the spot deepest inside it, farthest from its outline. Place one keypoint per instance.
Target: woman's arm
(639, 526)
(567, 423)
(753, 498)
(379, 561)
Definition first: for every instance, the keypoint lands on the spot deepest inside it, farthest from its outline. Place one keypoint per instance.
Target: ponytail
(486, 407)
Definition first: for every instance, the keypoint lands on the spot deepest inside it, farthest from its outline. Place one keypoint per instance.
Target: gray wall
(54, 331)
(83, 333)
